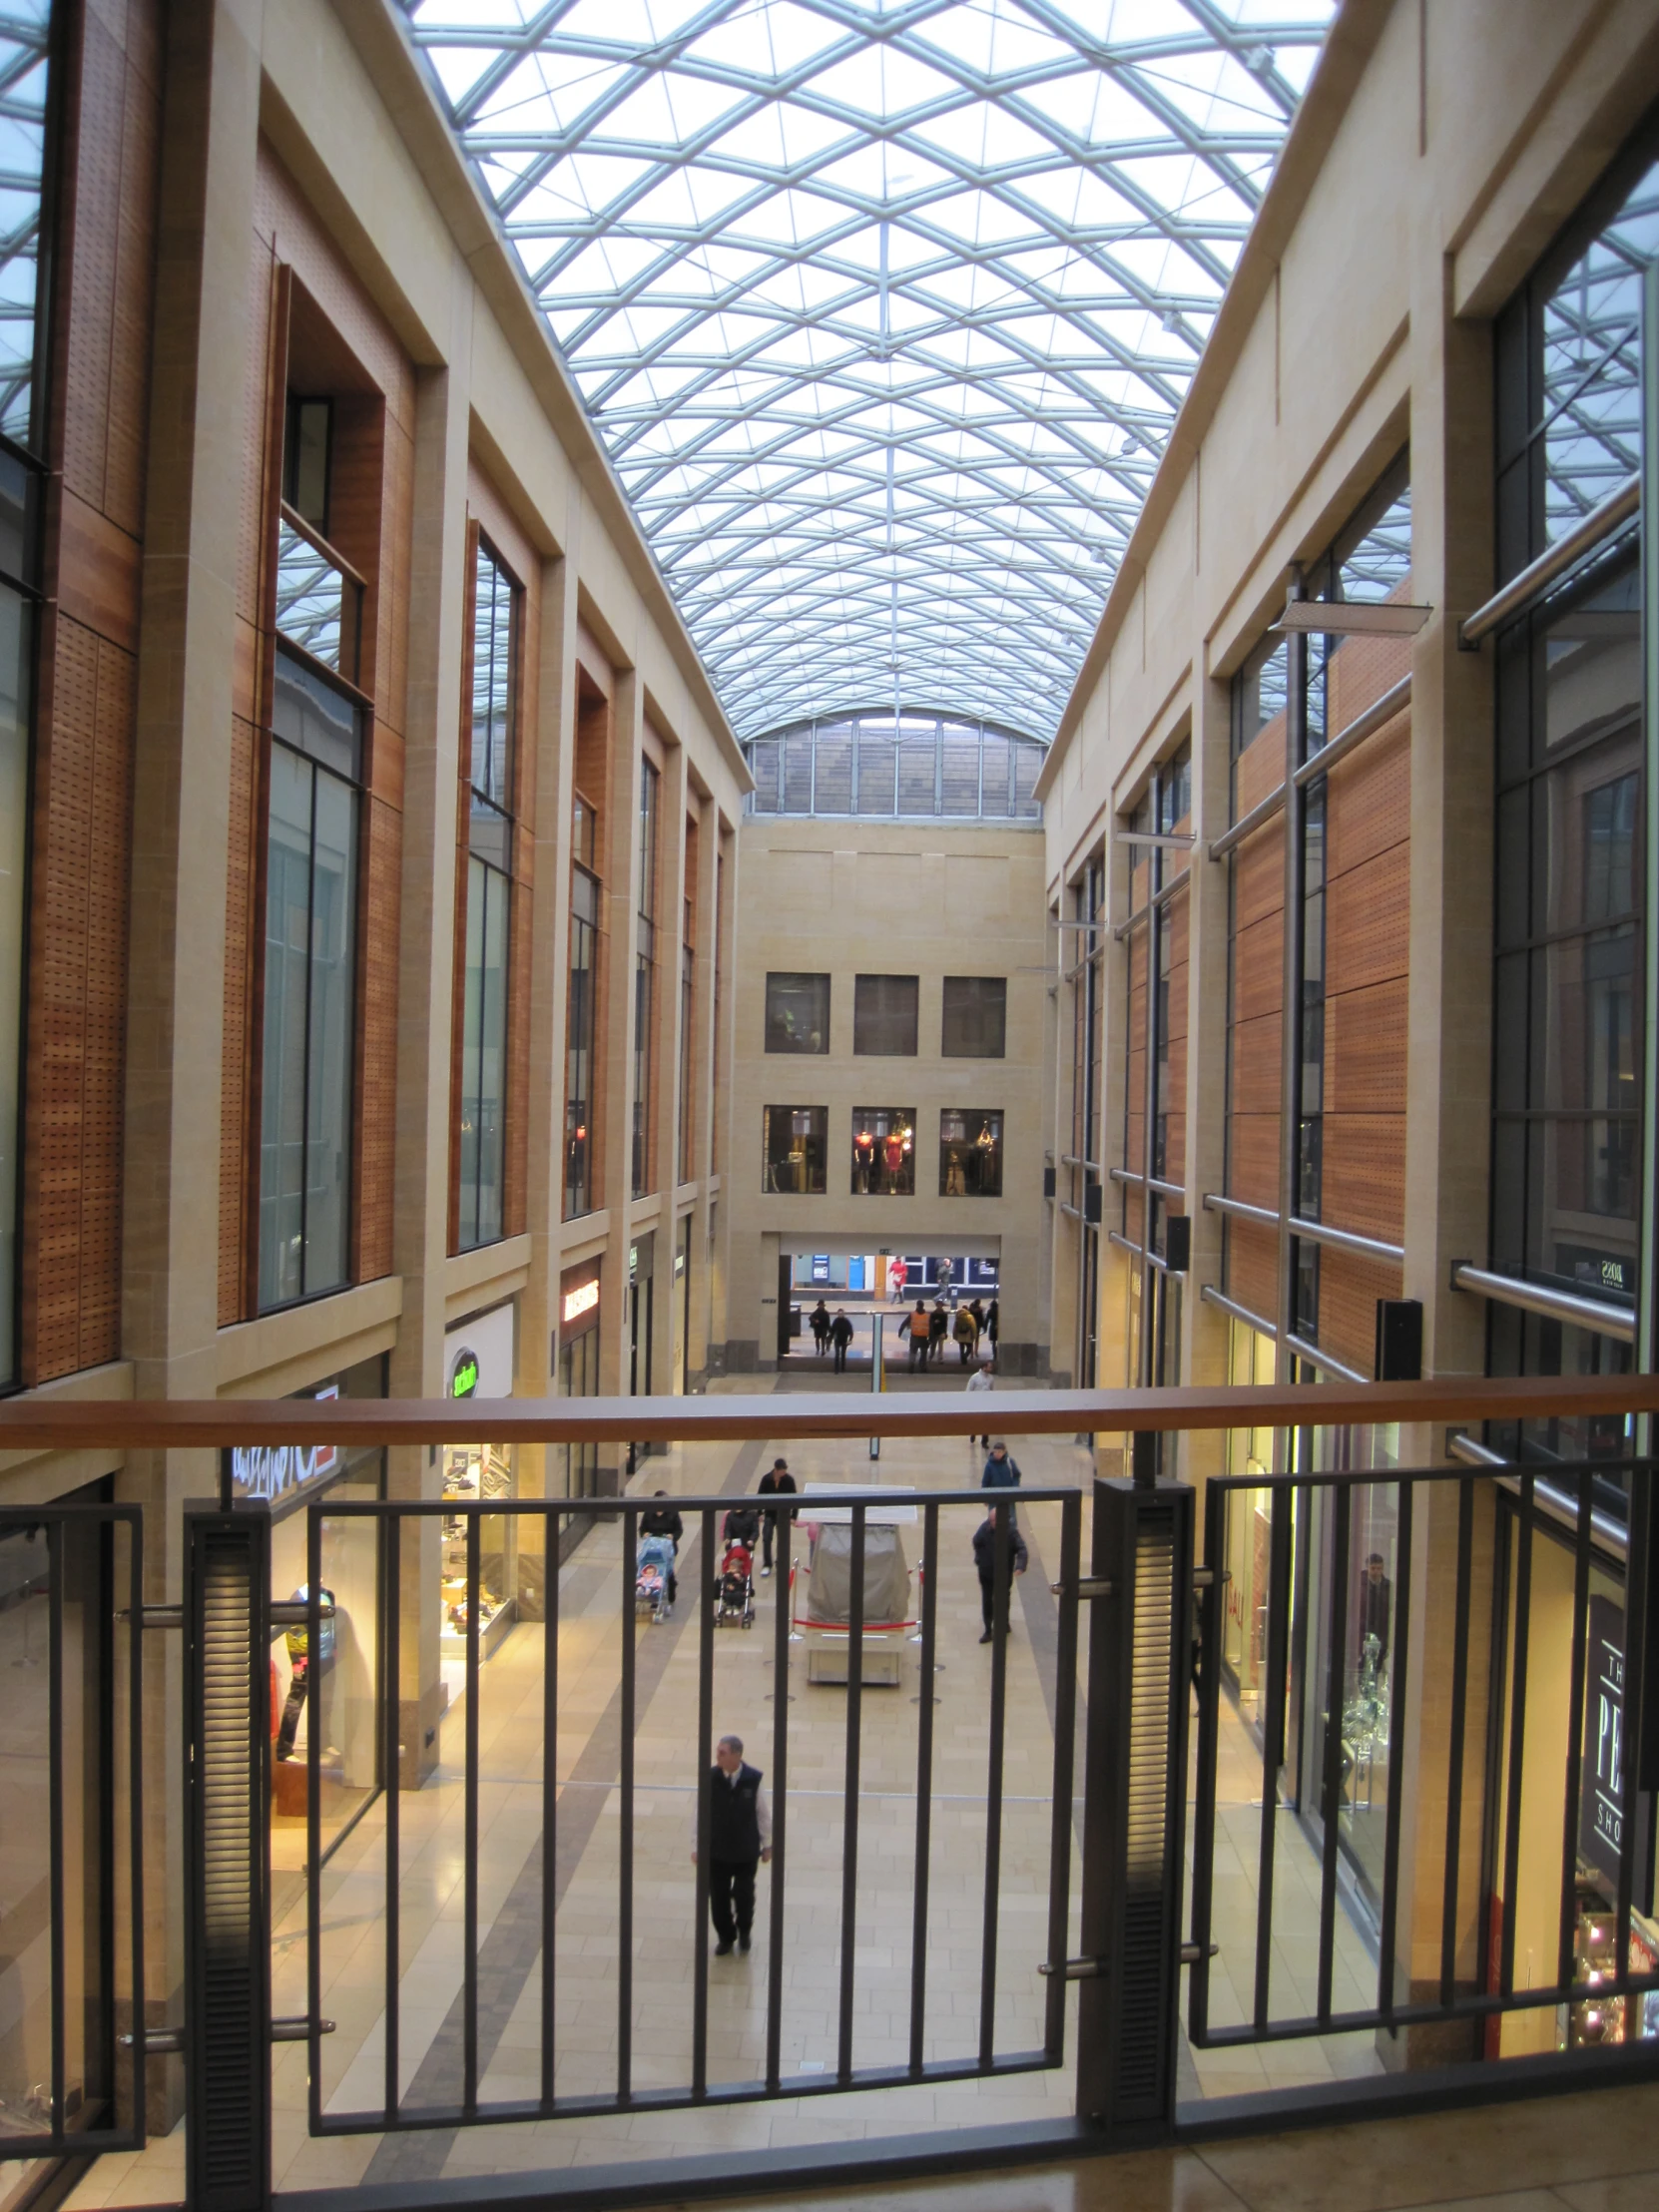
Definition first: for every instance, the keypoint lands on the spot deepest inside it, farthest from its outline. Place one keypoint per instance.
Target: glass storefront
(478, 1365)
(884, 1151)
(1247, 1532)
(970, 1153)
(579, 1296)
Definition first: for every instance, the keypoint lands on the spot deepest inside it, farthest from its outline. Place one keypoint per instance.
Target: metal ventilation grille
(1141, 2035)
(229, 2148)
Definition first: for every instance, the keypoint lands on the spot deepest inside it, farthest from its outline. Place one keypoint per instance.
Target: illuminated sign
(272, 1471)
(464, 1376)
(580, 1301)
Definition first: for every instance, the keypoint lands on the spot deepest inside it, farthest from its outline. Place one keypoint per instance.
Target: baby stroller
(653, 1564)
(735, 1593)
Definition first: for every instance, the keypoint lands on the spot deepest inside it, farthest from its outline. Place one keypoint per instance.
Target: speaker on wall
(1048, 1181)
(1178, 1242)
(1399, 1340)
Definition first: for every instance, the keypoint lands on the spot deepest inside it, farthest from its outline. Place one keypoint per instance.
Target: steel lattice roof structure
(883, 309)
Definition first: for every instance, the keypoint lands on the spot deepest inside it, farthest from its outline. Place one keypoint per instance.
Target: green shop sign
(464, 1376)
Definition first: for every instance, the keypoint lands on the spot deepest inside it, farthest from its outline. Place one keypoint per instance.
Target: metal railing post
(227, 1861)
(1134, 1817)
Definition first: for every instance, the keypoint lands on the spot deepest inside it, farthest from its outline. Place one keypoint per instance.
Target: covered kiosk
(822, 1612)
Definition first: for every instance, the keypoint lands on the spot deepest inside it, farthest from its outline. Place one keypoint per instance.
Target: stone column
(181, 825)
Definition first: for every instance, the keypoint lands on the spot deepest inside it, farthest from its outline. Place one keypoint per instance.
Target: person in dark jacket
(1001, 1469)
(820, 1326)
(993, 1318)
(777, 1478)
(663, 1520)
(938, 1328)
(740, 1838)
(841, 1336)
(984, 1558)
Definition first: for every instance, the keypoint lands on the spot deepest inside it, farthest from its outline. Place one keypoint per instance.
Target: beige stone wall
(929, 899)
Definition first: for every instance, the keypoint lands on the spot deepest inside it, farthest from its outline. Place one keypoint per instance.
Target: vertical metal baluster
(314, 1730)
(1331, 1812)
(1400, 1635)
(469, 1892)
(1638, 1596)
(1273, 1738)
(850, 1810)
(1576, 1737)
(135, 1812)
(549, 1799)
(1001, 1593)
(702, 1758)
(392, 1567)
(1517, 1739)
(625, 1853)
(1209, 1736)
(1455, 1749)
(925, 1782)
(55, 1825)
(1065, 1752)
(782, 1601)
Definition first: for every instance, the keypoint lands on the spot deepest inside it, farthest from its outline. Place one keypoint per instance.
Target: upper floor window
(794, 1145)
(644, 981)
(970, 1153)
(884, 1151)
(975, 1024)
(916, 765)
(798, 1013)
(320, 595)
(25, 57)
(489, 901)
(885, 1014)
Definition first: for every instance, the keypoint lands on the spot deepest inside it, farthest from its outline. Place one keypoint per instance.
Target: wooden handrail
(29, 1425)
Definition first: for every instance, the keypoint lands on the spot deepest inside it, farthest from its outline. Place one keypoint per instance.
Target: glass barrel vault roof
(883, 309)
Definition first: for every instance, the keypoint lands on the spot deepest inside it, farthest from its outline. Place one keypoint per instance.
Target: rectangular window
(309, 963)
(793, 1141)
(970, 1153)
(489, 902)
(484, 1055)
(644, 983)
(798, 1013)
(580, 1016)
(884, 1151)
(975, 1017)
(688, 1009)
(885, 1015)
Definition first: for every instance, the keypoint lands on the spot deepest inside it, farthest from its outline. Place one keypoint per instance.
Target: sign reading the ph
(1602, 1810)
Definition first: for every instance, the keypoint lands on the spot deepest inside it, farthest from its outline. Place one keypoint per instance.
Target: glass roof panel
(883, 307)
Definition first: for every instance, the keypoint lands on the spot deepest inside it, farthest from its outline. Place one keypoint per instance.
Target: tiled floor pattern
(1591, 2153)
(586, 1993)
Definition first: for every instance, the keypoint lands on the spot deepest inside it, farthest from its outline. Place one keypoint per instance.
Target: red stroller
(735, 1591)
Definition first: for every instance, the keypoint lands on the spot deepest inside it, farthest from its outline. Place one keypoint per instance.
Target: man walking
(777, 1478)
(918, 1336)
(740, 1838)
(980, 1380)
(984, 1559)
(841, 1336)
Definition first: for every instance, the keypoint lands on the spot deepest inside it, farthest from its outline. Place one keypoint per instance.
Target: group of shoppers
(924, 1330)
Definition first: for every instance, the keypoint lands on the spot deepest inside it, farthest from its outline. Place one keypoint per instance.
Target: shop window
(310, 962)
(798, 1013)
(884, 1011)
(644, 983)
(478, 1367)
(687, 1057)
(970, 1153)
(975, 1017)
(794, 1147)
(582, 1000)
(884, 1151)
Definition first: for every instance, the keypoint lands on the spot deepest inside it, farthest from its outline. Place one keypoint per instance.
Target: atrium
(829, 1024)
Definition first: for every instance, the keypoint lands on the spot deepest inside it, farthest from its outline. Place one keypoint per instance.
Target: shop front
(578, 1366)
(478, 1365)
(332, 1692)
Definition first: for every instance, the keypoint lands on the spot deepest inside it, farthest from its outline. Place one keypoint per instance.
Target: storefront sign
(463, 1372)
(1601, 1792)
(578, 1301)
(820, 1266)
(478, 1355)
(274, 1471)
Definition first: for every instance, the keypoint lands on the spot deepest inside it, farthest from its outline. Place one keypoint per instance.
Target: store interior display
(477, 1471)
(1594, 2019)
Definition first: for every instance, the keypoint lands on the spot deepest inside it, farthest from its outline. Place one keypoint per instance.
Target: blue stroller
(652, 1565)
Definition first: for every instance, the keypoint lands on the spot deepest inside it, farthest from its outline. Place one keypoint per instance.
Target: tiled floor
(586, 1996)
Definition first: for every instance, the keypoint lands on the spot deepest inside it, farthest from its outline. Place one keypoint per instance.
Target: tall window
(645, 980)
(793, 1141)
(798, 1013)
(975, 1025)
(884, 1151)
(309, 964)
(24, 46)
(687, 1057)
(1571, 1001)
(581, 1013)
(970, 1153)
(1088, 955)
(483, 1099)
(885, 1015)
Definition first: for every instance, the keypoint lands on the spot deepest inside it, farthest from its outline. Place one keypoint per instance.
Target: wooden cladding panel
(235, 1061)
(1349, 1291)
(1133, 1209)
(82, 811)
(1360, 672)
(1175, 1151)
(1368, 807)
(1366, 922)
(1363, 1178)
(1257, 1065)
(1260, 768)
(377, 1070)
(1258, 875)
(1365, 1049)
(1258, 971)
(1252, 1267)
(1252, 1159)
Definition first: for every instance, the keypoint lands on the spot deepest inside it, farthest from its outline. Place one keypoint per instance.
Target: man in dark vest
(739, 1835)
